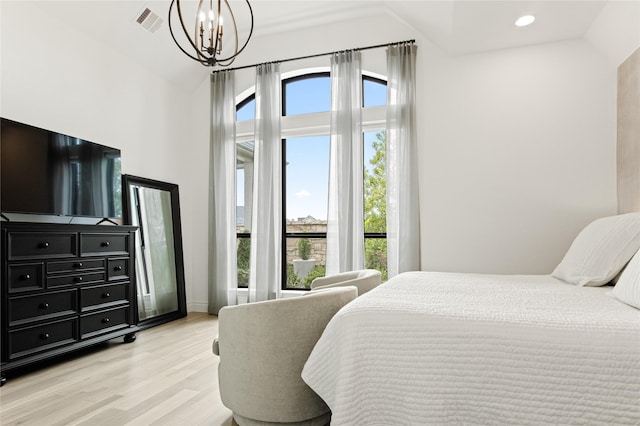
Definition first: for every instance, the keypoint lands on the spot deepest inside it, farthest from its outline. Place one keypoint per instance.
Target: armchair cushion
(263, 347)
(365, 280)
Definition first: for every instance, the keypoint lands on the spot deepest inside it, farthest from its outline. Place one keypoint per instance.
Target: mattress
(443, 348)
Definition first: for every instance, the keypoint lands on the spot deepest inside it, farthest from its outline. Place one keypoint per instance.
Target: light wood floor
(168, 376)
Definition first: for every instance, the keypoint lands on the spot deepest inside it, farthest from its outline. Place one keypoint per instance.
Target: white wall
(517, 149)
(198, 152)
(56, 78)
(616, 30)
(74, 85)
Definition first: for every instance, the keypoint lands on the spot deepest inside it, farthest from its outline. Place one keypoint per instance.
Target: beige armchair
(263, 347)
(364, 280)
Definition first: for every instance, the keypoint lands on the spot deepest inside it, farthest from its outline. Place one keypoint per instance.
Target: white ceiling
(456, 26)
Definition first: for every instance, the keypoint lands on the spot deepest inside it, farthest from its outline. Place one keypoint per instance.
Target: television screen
(44, 172)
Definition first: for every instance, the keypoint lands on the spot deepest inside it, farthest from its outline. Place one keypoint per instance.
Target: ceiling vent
(149, 20)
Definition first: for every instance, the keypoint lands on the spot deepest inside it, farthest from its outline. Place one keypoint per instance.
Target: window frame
(242, 235)
(295, 79)
(372, 235)
(308, 124)
(371, 79)
(293, 235)
(243, 103)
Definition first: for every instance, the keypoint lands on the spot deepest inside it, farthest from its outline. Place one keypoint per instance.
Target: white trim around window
(318, 123)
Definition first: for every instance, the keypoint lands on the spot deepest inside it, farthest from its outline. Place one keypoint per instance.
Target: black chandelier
(205, 45)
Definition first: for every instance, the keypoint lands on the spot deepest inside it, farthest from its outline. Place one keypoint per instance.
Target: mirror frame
(127, 182)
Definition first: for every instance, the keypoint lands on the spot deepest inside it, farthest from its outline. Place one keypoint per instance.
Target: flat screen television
(48, 173)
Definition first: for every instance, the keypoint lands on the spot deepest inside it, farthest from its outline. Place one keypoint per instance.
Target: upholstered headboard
(628, 151)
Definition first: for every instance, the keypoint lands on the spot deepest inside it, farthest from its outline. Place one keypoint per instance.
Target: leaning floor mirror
(154, 207)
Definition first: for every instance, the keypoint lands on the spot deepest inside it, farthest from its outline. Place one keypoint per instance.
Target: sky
(307, 170)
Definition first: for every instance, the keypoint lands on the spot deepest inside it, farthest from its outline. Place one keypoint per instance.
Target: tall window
(305, 137)
(305, 183)
(244, 182)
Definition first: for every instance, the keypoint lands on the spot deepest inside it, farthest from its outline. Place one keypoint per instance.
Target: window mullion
(314, 124)
(374, 118)
(245, 131)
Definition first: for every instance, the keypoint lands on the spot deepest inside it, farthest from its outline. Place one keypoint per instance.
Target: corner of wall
(616, 31)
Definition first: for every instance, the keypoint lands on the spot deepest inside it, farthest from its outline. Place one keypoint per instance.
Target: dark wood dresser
(64, 287)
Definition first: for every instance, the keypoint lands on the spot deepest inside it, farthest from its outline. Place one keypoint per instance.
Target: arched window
(306, 101)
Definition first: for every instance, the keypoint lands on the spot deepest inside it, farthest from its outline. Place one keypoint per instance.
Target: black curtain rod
(313, 56)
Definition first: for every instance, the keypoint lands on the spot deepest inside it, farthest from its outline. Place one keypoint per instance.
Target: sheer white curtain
(403, 214)
(345, 226)
(266, 220)
(222, 193)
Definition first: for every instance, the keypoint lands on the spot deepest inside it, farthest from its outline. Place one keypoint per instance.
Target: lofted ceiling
(455, 26)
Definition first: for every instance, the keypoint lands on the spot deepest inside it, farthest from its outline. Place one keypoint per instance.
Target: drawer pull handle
(44, 336)
(117, 268)
(43, 244)
(44, 305)
(25, 277)
(105, 244)
(77, 265)
(106, 295)
(78, 279)
(105, 320)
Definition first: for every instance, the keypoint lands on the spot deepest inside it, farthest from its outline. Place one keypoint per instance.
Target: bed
(441, 348)
(445, 348)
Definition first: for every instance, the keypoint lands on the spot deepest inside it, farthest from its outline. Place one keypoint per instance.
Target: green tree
(304, 248)
(293, 281)
(317, 271)
(375, 206)
(375, 187)
(243, 256)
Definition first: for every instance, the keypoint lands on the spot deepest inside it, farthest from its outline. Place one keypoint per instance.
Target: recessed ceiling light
(525, 20)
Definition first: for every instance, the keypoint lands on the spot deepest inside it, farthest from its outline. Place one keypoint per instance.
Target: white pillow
(627, 289)
(601, 250)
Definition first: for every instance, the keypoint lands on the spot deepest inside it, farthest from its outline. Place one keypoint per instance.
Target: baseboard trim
(198, 307)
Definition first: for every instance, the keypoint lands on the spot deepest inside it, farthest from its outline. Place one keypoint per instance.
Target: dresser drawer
(66, 280)
(32, 245)
(103, 295)
(64, 287)
(74, 266)
(117, 269)
(26, 277)
(103, 322)
(43, 306)
(101, 244)
(42, 337)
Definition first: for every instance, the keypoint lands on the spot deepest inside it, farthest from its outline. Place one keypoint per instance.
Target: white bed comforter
(440, 348)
